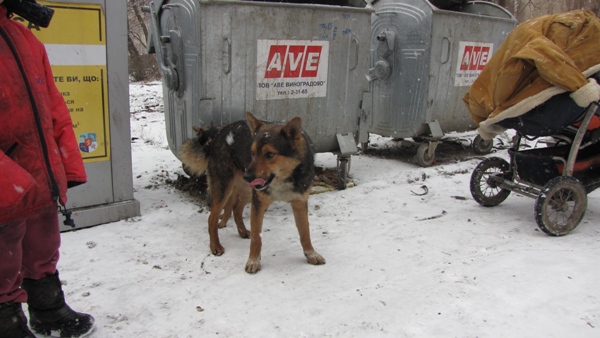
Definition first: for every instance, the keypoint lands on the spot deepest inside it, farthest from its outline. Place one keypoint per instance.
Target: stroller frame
(561, 197)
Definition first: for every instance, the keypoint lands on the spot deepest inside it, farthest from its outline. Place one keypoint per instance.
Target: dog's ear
(253, 123)
(293, 129)
(197, 130)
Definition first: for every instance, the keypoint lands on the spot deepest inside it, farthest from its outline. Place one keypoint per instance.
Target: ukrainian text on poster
(76, 46)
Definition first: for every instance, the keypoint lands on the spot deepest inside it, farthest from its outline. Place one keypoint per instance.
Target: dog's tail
(194, 157)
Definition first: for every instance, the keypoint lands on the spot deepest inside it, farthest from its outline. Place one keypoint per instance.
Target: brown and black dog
(254, 161)
(223, 154)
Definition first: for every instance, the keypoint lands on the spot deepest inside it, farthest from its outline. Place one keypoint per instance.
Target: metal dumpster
(219, 59)
(423, 60)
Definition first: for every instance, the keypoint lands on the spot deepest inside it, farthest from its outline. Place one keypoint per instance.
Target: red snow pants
(28, 249)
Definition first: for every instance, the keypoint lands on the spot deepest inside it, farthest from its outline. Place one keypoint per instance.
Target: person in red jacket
(39, 160)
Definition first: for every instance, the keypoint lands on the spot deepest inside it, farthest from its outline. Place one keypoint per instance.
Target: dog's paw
(244, 233)
(217, 249)
(253, 265)
(314, 258)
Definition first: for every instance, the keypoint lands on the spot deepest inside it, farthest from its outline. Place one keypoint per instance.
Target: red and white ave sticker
(290, 69)
(472, 57)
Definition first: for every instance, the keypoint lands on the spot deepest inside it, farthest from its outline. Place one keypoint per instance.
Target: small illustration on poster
(88, 142)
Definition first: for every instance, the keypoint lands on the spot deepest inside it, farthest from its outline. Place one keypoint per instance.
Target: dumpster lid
(486, 9)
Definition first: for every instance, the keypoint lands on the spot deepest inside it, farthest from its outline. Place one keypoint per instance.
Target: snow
(229, 139)
(400, 263)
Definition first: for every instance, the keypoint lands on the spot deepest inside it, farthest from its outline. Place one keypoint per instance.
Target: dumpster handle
(226, 55)
(356, 53)
(449, 47)
(165, 66)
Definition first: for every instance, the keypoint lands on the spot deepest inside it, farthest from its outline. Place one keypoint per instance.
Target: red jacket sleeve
(63, 132)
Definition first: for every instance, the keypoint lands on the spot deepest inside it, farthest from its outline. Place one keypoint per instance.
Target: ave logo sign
(472, 58)
(289, 69)
(293, 61)
(475, 57)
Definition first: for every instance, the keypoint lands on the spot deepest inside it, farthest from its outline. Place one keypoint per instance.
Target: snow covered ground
(398, 264)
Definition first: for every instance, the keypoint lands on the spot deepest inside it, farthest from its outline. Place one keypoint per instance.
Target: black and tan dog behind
(254, 161)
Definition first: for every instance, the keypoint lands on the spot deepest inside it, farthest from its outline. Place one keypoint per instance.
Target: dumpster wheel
(481, 146)
(426, 154)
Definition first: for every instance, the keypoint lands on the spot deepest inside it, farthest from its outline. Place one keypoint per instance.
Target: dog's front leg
(257, 213)
(300, 208)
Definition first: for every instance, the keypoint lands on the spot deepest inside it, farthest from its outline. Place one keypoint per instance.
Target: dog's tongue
(257, 182)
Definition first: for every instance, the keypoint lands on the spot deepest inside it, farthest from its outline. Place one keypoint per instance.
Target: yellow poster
(76, 46)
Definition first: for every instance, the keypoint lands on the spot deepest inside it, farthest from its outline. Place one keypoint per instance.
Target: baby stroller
(558, 176)
(524, 87)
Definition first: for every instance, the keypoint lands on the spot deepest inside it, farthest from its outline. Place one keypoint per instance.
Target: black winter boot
(48, 312)
(13, 323)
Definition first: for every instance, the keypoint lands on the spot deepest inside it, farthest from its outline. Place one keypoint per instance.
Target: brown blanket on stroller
(540, 58)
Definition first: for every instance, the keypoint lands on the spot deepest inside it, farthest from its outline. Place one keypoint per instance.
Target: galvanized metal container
(220, 59)
(423, 61)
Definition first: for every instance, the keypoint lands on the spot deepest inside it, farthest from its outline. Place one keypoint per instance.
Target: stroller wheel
(560, 205)
(485, 180)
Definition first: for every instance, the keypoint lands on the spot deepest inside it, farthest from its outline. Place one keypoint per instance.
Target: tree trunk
(135, 61)
(141, 22)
